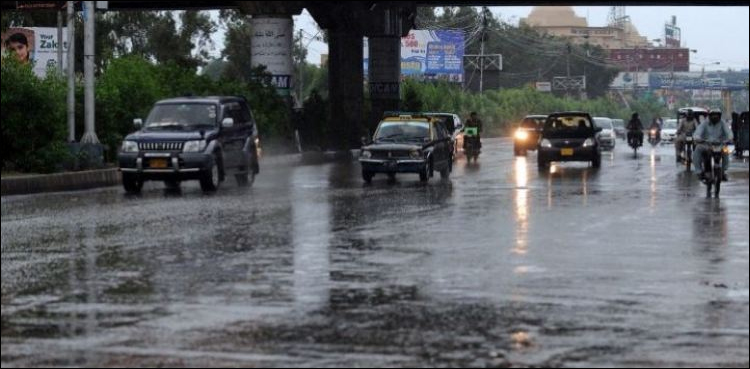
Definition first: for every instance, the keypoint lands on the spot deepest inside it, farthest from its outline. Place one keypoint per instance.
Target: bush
(501, 109)
(33, 119)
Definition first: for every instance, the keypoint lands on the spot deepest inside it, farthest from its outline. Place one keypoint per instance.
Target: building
(651, 59)
(562, 21)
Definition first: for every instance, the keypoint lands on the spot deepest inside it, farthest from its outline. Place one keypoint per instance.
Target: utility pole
(481, 50)
(301, 73)
(71, 72)
(89, 135)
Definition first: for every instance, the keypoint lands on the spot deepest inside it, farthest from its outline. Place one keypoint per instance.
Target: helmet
(714, 115)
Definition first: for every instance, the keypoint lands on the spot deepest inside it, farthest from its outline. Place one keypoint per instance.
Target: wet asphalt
(502, 265)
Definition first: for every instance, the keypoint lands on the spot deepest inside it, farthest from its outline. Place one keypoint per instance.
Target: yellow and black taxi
(526, 136)
(408, 143)
(569, 136)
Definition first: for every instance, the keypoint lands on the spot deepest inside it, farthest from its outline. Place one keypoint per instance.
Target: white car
(669, 131)
(607, 135)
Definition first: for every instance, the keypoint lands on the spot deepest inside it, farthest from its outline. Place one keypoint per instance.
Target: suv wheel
(367, 176)
(542, 164)
(597, 162)
(210, 179)
(131, 183)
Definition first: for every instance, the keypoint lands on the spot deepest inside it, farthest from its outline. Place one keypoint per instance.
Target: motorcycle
(654, 137)
(687, 152)
(634, 142)
(713, 170)
(472, 146)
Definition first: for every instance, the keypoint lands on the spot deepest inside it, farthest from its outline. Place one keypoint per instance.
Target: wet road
(502, 265)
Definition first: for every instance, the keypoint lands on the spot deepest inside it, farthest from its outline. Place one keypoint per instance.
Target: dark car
(526, 136)
(408, 144)
(192, 138)
(569, 136)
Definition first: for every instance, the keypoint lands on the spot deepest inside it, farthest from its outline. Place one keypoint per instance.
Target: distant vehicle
(700, 113)
(451, 121)
(407, 144)
(620, 130)
(454, 126)
(526, 136)
(192, 138)
(569, 136)
(606, 137)
(669, 130)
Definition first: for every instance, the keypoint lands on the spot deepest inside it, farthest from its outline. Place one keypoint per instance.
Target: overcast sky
(719, 34)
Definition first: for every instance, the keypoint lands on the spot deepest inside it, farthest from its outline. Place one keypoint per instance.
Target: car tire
(542, 164)
(131, 183)
(367, 176)
(211, 178)
(424, 175)
(597, 161)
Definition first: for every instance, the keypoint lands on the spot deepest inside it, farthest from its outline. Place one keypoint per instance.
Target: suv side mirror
(365, 141)
(598, 129)
(227, 123)
(138, 123)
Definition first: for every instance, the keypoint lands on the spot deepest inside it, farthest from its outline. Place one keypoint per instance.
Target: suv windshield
(187, 116)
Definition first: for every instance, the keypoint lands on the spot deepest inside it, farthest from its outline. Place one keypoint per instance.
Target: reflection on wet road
(628, 265)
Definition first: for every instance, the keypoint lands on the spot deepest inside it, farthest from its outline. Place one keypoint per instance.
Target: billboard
(35, 45)
(271, 46)
(630, 80)
(430, 54)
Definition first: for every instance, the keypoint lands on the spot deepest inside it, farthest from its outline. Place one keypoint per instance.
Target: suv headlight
(415, 154)
(589, 142)
(129, 146)
(194, 146)
(521, 135)
(545, 143)
(366, 154)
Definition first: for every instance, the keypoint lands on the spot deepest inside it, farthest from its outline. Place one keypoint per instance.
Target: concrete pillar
(345, 83)
(386, 25)
(271, 46)
(384, 75)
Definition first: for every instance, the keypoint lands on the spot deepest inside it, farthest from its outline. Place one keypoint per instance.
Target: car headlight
(522, 135)
(366, 154)
(545, 143)
(194, 146)
(415, 154)
(588, 143)
(725, 150)
(129, 146)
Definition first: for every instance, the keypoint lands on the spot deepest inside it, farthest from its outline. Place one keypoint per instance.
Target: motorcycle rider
(686, 128)
(474, 121)
(713, 130)
(635, 129)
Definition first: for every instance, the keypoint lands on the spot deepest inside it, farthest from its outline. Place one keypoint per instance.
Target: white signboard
(544, 86)
(35, 45)
(630, 80)
(271, 46)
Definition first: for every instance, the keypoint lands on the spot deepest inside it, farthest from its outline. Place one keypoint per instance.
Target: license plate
(157, 163)
(566, 152)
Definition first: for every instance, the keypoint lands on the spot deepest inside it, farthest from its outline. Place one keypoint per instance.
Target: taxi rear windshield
(568, 122)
